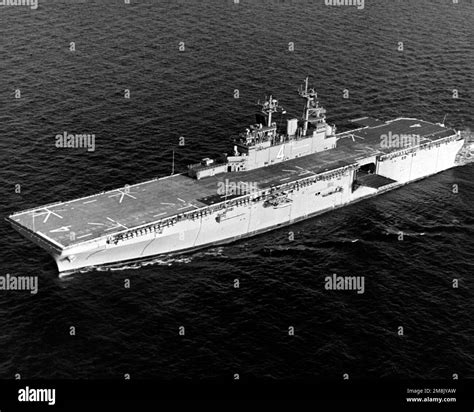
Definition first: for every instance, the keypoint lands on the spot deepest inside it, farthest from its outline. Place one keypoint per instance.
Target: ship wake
(166, 260)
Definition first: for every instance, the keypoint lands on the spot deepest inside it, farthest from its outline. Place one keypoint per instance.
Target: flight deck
(80, 220)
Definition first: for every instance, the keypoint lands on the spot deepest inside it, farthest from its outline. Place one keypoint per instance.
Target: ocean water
(190, 93)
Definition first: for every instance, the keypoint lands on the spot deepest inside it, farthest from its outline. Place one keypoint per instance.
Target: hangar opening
(365, 176)
(367, 169)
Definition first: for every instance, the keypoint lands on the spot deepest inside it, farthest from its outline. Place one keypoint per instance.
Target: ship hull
(251, 218)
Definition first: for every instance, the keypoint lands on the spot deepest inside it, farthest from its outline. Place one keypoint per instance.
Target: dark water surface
(191, 93)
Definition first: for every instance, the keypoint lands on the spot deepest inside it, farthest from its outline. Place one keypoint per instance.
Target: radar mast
(313, 113)
(270, 106)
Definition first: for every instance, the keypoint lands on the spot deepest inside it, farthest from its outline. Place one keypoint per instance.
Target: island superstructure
(273, 176)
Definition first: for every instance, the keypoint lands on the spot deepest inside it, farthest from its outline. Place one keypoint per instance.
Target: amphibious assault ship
(272, 177)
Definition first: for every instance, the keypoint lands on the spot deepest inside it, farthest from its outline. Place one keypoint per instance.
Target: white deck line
(359, 119)
(80, 237)
(49, 239)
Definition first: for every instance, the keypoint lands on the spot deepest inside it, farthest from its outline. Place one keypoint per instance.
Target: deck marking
(299, 167)
(359, 119)
(80, 237)
(122, 194)
(116, 227)
(89, 201)
(47, 212)
(160, 214)
(181, 200)
(98, 224)
(61, 229)
(286, 170)
(170, 204)
(286, 178)
(118, 224)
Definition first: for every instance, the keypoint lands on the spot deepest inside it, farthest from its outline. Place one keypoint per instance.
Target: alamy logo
(232, 188)
(335, 282)
(10, 282)
(399, 140)
(75, 141)
(28, 394)
(358, 3)
(33, 4)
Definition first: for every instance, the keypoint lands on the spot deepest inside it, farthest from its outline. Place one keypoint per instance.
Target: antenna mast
(269, 107)
(312, 111)
(444, 120)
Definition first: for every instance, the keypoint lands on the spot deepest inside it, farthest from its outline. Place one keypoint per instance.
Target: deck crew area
(67, 223)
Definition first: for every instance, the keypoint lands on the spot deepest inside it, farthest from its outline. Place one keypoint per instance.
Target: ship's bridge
(257, 135)
(263, 143)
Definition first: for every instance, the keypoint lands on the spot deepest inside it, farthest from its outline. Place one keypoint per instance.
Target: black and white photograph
(236, 200)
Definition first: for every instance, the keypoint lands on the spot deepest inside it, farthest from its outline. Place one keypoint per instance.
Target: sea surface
(191, 93)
